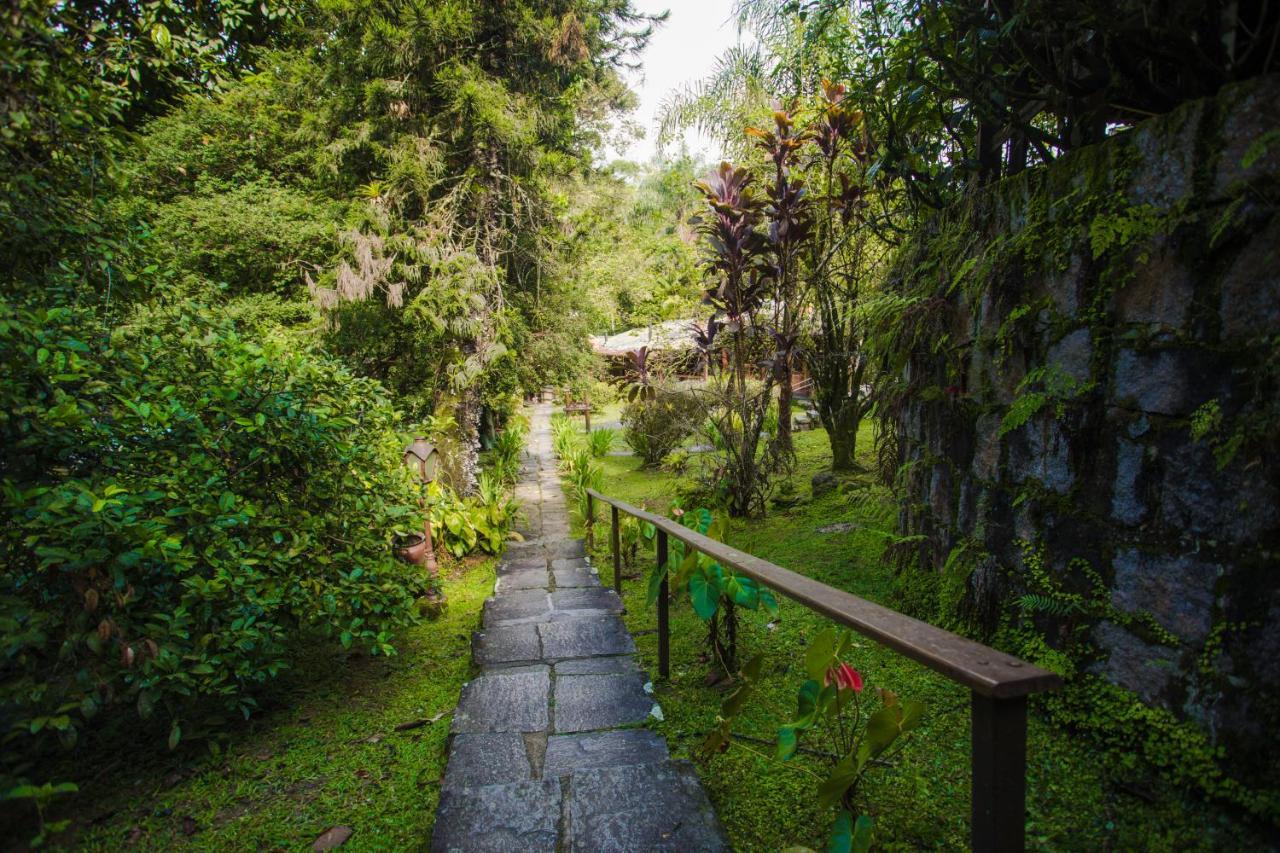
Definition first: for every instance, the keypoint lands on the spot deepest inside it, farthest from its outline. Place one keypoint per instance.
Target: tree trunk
(784, 408)
(842, 424)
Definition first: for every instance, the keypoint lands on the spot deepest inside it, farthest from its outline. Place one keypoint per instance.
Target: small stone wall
(1083, 388)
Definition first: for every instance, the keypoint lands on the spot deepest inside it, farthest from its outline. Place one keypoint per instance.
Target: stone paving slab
(547, 752)
(596, 666)
(566, 548)
(571, 753)
(505, 644)
(583, 638)
(586, 703)
(515, 700)
(525, 551)
(583, 577)
(527, 579)
(641, 807)
(523, 606)
(523, 816)
(488, 759)
(591, 598)
(507, 567)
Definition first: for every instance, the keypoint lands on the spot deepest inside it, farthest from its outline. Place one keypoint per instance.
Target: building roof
(668, 335)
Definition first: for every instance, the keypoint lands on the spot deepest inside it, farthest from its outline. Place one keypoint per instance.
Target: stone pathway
(548, 751)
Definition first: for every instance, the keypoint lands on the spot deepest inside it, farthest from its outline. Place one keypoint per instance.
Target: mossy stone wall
(1088, 366)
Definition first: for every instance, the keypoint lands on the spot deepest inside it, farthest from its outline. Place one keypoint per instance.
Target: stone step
(526, 606)
(547, 746)
(521, 816)
(641, 807)
(587, 635)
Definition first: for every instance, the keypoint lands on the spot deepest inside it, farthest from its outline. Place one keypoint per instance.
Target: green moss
(1078, 797)
(324, 753)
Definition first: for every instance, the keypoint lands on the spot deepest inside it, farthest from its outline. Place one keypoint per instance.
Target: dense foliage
(182, 500)
(250, 249)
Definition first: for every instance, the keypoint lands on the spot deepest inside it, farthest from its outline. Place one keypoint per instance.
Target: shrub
(601, 442)
(506, 451)
(656, 427)
(179, 504)
(477, 522)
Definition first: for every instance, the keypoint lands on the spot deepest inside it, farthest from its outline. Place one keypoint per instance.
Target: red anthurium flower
(848, 678)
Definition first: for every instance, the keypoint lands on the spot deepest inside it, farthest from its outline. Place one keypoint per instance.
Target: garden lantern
(422, 458)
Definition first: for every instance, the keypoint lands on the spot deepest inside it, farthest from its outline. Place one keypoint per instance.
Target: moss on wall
(1081, 362)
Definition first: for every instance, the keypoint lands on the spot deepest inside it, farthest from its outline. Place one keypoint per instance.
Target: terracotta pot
(412, 549)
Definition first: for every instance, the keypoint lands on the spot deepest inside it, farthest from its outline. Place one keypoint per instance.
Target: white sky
(682, 50)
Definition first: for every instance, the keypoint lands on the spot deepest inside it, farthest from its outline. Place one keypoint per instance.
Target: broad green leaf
(841, 838)
(843, 775)
(883, 728)
(788, 742)
(768, 602)
(821, 654)
(704, 592)
(806, 704)
(733, 703)
(656, 575)
(745, 592)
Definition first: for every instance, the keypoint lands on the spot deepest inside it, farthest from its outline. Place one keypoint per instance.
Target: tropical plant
(840, 258)
(739, 263)
(601, 442)
(638, 383)
(182, 501)
(479, 522)
(653, 428)
(506, 450)
(831, 711)
(714, 591)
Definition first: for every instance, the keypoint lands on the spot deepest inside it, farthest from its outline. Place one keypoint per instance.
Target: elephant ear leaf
(768, 602)
(821, 654)
(788, 742)
(862, 834)
(704, 592)
(656, 576)
(833, 788)
(841, 838)
(889, 723)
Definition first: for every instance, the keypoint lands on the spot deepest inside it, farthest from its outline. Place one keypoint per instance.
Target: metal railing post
(999, 756)
(591, 522)
(664, 628)
(616, 536)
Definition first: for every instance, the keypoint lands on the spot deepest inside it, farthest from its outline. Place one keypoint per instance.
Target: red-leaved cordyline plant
(832, 713)
(788, 215)
(638, 383)
(704, 341)
(738, 262)
(837, 259)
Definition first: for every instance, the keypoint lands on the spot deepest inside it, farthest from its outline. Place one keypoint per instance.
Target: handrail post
(664, 629)
(616, 536)
(999, 756)
(591, 522)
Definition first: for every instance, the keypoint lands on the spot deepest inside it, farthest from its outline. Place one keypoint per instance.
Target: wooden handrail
(998, 683)
(973, 665)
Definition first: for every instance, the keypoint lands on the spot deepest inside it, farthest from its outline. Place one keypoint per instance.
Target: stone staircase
(549, 750)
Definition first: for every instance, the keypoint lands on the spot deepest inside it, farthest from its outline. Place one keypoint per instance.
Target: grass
(923, 799)
(324, 753)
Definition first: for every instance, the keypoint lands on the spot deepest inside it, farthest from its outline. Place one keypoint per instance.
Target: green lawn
(325, 752)
(923, 799)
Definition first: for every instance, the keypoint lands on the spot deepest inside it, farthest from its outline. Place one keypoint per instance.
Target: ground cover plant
(1078, 797)
(344, 739)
